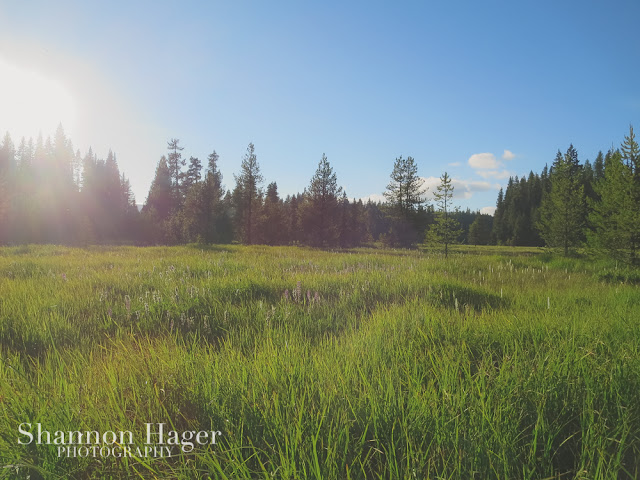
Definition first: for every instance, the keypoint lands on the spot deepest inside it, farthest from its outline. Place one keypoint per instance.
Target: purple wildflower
(309, 296)
(286, 295)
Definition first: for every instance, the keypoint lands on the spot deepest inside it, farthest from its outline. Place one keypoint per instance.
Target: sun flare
(33, 103)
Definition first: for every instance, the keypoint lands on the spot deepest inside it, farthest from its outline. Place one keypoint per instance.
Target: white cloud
(488, 210)
(462, 189)
(483, 161)
(508, 155)
(498, 174)
(374, 197)
(454, 164)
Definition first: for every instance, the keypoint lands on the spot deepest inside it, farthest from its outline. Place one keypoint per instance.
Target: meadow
(360, 364)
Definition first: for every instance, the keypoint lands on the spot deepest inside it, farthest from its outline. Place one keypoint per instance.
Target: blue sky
(479, 89)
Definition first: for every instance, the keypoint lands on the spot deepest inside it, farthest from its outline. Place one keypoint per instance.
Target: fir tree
(480, 230)
(562, 212)
(175, 162)
(320, 208)
(272, 224)
(499, 230)
(159, 202)
(610, 215)
(404, 195)
(445, 230)
(247, 196)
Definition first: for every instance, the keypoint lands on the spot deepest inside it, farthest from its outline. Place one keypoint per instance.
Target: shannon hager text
(156, 434)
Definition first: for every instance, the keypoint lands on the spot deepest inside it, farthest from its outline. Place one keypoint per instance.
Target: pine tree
(609, 216)
(194, 173)
(175, 162)
(498, 232)
(344, 228)
(293, 224)
(446, 230)
(405, 190)
(214, 221)
(631, 154)
(480, 230)
(7, 188)
(157, 208)
(113, 199)
(247, 196)
(272, 222)
(598, 167)
(571, 157)
(615, 217)
(320, 208)
(404, 195)
(563, 209)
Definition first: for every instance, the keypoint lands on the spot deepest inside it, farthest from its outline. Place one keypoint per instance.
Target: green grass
(403, 365)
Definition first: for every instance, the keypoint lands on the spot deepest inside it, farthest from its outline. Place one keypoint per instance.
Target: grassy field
(494, 363)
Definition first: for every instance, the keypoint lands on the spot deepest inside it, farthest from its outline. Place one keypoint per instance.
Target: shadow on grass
(211, 247)
(459, 297)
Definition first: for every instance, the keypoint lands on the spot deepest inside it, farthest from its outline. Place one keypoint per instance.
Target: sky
(482, 90)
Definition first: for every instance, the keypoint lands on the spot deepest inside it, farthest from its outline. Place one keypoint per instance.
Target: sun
(32, 103)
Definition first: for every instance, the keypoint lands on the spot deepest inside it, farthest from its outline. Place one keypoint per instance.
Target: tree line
(50, 193)
(573, 204)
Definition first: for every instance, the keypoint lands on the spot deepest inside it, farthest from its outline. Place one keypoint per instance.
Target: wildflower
(64, 277)
(309, 296)
(109, 312)
(127, 303)
(297, 293)
(316, 298)
(286, 295)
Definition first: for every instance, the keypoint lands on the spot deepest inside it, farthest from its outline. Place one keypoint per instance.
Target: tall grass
(358, 364)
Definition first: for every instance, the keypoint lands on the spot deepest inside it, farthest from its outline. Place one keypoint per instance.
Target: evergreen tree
(609, 216)
(464, 218)
(194, 214)
(113, 200)
(247, 196)
(562, 213)
(193, 211)
(445, 230)
(631, 154)
(272, 224)
(194, 173)
(499, 231)
(157, 208)
(175, 162)
(571, 157)
(7, 191)
(615, 217)
(215, 221)
(344, 229)
(293, 224)
(404, 195)
(320, 208)
(480, 230)
(598, 167)
(377, 223)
